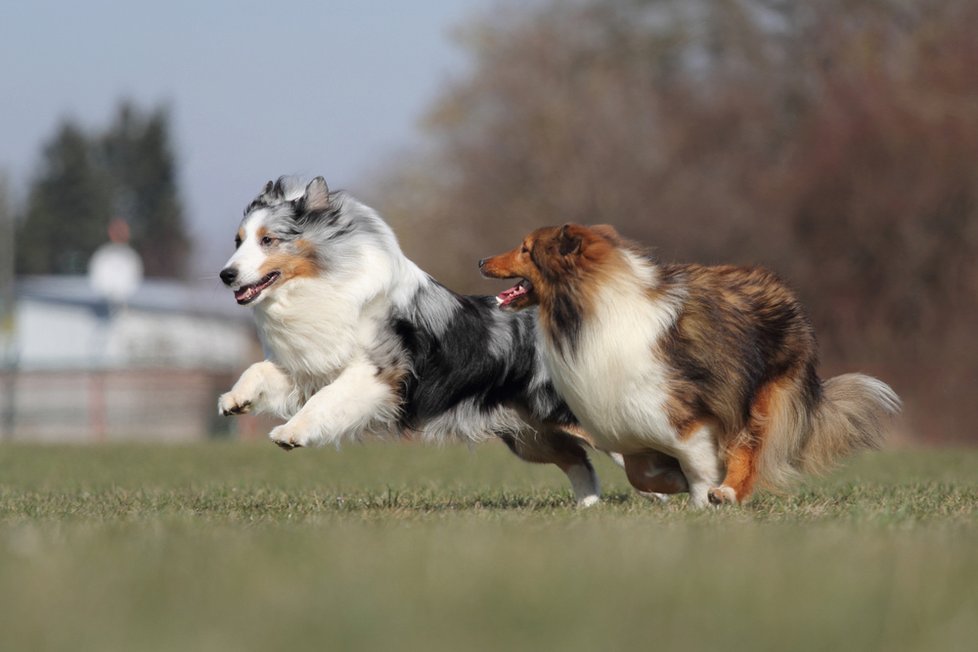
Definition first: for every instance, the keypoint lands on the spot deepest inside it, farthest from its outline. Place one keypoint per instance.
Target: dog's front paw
(230, 403)
(722, 495)
(287, 437)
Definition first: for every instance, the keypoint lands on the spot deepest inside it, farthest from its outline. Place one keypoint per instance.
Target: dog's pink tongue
(506, 296)
(244, 294)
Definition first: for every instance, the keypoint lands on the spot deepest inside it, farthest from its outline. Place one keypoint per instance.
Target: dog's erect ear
(316, 197)
(278, 188)
(568, 241)
(268, 187)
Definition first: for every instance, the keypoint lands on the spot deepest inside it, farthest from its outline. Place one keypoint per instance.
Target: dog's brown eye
(267, 241)
(525, 250)
(237, 242)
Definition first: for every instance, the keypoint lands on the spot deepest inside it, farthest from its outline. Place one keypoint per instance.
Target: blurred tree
(7, 352)
(832, 141)
(67, 209)
(139, 160)
(6, 267)
(86, 180)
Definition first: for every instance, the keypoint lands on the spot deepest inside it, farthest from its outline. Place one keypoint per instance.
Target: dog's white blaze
(614, 383)
(249, 257)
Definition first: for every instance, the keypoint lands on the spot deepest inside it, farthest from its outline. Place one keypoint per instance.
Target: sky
(255, 89)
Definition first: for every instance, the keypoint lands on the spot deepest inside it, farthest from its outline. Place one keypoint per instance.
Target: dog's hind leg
(741, 474)
(700, 464)
(774, 406)
(653, 474)
(567, 452)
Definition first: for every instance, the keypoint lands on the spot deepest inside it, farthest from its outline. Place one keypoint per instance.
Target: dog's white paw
(589, 501)
(288, 436)
(722, 495)
(232, 403)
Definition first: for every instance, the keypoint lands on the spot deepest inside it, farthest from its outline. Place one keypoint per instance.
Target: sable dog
(704, 378)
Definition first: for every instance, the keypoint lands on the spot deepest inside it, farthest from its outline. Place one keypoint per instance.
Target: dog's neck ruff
(308, 328)
(615, 355)
(314, 327)
(580, 305)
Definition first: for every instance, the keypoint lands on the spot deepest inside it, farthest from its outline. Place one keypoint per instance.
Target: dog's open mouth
(249, 293)
(506, 297)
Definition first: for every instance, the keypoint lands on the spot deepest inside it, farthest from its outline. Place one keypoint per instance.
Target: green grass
(232, 546)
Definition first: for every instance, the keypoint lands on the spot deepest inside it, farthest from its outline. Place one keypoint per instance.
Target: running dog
(360, 340)
(704, 378)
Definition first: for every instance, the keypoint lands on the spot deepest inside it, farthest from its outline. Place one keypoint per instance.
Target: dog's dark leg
(654, 472)
(569, 453)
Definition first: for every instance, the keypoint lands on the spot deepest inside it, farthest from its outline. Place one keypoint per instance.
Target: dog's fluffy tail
(852, 412)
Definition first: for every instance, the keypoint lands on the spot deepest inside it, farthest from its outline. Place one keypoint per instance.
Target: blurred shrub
(832, 141)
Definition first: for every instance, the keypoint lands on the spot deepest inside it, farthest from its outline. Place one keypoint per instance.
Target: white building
(79, 369)
(60, 322)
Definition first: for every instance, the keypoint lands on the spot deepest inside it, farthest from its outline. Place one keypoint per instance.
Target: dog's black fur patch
(459, 365)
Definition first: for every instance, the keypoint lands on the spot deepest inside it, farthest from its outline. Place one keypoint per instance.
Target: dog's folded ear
(316, 197)
(568, 240)
(608, 232)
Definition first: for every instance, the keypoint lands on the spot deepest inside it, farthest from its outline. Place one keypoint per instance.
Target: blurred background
(835, 142)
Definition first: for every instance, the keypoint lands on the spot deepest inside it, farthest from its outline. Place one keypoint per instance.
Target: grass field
(231, 546)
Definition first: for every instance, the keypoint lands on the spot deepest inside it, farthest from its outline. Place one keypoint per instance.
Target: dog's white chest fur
(615, 381)
(312, 330)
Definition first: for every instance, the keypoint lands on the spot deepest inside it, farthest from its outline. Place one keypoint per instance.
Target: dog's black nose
(482, 263)
(228, 274)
